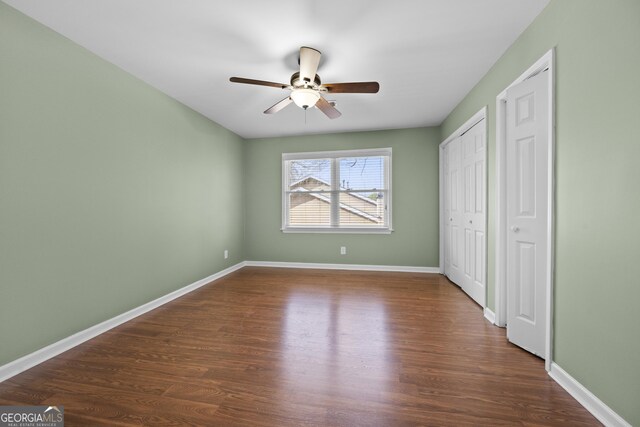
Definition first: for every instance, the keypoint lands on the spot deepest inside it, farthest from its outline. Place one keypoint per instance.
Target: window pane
(364, 208)
(337, 190)
(309, 175)
(361, 173)
(310, 209)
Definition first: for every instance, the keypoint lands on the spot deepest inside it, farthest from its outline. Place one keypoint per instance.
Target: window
(337, 191)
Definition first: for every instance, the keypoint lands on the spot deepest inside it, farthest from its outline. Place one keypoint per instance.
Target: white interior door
(473, 224)
(453, 182)
(527, 146)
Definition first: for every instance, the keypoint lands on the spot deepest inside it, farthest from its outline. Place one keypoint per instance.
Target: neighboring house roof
(344, 206)
(321, 181)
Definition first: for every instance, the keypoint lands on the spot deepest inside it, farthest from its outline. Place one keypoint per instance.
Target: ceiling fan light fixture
(305, 98)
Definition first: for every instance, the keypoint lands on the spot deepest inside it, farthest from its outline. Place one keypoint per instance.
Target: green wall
(112, 194)
(415, 201)
(596, 337)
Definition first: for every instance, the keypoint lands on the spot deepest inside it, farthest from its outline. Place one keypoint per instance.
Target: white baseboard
(325, 266)
(490, 315)
(597, 407)
(30, 360)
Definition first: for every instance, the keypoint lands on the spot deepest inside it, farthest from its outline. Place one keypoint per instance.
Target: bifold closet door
(453, 214)
(464, 167)
(473, 221)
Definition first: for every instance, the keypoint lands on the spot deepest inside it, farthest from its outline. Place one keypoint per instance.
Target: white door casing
(527, 147)
(473, 153)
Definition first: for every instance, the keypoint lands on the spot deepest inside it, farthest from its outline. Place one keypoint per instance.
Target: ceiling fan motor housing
(297, 82)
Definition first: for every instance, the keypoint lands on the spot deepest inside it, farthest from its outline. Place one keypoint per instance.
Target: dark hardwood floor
(280, 347)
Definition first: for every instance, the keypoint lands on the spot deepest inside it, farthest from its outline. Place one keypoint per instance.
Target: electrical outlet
(343, 250)
(226, 254)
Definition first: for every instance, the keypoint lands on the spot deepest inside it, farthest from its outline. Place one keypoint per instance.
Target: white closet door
(527, 175)
(454, 199)
(446, 188)
(465, 210)
(473, 224)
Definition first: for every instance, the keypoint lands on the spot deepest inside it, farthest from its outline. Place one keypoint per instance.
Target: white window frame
(333, 155)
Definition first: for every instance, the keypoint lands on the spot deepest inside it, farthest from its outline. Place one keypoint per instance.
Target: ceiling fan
(307, 89)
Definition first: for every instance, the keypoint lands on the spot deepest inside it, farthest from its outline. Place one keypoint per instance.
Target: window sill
(342, 230)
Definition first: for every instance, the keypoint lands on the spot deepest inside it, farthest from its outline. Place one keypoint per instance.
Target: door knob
(515, 228)
(450, 219)
(470, 222)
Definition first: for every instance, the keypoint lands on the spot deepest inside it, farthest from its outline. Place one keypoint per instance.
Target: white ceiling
(426, 54)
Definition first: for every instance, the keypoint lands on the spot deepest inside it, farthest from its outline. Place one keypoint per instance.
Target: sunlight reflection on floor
(329, 341)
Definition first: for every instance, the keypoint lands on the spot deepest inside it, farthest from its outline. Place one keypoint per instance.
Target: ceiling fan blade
(258, 82)
(309, 61)
(279, 106)
(328, 109)
(358, 87)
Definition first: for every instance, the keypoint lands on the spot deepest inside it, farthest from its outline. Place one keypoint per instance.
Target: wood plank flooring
(286, 347)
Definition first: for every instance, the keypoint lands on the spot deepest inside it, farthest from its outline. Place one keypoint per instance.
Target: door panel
(525, 281)
(455, 271)
(468, 252)
(469, 200)
(478, 267)
(527, 175)
(479, 190)
(474, 215)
